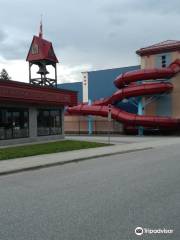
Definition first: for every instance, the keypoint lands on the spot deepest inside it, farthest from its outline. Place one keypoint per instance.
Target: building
(74, 86)
(34, 111)
(160, 107)
(160, 56)
(96, 85)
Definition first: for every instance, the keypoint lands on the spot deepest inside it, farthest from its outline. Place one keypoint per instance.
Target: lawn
(46, 148)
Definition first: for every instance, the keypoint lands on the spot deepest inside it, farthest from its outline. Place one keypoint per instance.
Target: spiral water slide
(134, 84)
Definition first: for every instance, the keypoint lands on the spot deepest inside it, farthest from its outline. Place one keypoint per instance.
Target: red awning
(18, 92)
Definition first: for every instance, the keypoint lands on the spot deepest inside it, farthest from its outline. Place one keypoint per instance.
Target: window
(14, 123)
(49, 122)
(34, 49)
(163, 61)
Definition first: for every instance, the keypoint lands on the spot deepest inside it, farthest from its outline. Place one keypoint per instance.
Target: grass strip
(46, 148)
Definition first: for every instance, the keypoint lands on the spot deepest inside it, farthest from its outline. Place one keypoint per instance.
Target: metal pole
(109, 137)
(30, 72)
(55, 75)
(109, 123)
(90, 130)
(79, 126)
(140, 112)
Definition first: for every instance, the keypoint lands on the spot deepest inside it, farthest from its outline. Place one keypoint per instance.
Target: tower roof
(166, 46)
(41, 49)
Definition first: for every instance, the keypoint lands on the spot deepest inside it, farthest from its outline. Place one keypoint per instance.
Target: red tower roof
(41, 49)
(166, 46)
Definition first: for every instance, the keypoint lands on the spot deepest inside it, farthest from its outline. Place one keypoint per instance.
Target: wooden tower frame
(41, 53)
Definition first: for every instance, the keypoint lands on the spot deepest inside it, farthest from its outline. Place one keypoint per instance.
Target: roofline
(29, 49)
(69, 82)
(112, 68)
(156, 50)
(24, 93)
(22, 84)
(34, 36)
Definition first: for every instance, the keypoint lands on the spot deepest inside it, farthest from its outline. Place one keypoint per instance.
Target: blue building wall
(101, 82)
(76, 86)
(100, 85)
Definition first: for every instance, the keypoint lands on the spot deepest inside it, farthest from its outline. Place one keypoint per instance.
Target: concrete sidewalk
(116, 139)
(42, 161)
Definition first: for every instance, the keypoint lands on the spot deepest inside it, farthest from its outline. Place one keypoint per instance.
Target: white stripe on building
(85, 87)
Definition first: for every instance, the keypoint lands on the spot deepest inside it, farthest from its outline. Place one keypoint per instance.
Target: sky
(86, 35)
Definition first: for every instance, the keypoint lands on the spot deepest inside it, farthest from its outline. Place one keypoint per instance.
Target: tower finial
(41, 29)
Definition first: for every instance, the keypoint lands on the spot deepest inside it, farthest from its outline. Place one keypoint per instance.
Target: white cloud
(71, 74)
(18, 71)
(86, 34)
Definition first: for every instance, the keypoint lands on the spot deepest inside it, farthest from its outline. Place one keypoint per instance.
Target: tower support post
(140, 112)
(90, 122)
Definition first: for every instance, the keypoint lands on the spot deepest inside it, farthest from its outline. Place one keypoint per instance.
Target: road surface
(99, 199)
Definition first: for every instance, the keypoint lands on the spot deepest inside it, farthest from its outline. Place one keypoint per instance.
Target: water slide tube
(134, 84)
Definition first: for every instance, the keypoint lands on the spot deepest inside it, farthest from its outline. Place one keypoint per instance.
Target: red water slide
(129, 88)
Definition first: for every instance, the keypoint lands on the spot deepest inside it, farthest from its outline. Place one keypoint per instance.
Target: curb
(47, 165)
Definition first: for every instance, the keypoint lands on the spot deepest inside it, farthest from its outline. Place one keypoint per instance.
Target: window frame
(10, 111)
(50, 127)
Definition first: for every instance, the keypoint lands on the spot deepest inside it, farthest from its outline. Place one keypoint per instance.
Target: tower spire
(41, 29)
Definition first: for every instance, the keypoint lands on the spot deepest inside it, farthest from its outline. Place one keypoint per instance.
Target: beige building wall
(176, 90)
(79, 125)
(150, 109)
(150, 62)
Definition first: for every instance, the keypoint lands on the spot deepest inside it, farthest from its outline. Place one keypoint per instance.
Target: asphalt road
(99, 199)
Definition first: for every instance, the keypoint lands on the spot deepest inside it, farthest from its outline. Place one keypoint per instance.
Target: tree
(4, 75)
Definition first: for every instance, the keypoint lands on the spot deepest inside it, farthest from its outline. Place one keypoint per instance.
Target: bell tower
(41, 54)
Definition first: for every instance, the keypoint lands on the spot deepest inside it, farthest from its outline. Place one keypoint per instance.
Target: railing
(80, 126)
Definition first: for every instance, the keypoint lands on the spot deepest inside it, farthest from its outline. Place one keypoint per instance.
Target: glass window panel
(49, 122)
(2, 125)
(14, 123)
